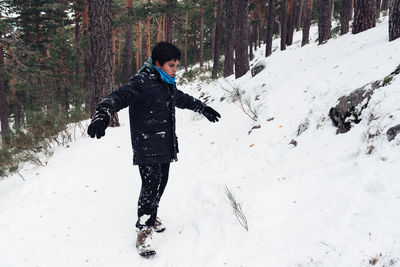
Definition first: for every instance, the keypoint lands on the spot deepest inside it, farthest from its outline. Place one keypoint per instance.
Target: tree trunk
(212, 40)
(345, 16)
(78, 13)
(119, 49)
(378, 8)
(283, 24)
(394, 20)
(3, 98)
(364, 15)
(164, 32)
(307, 23)
(270, 27)
(217, 43)
(324, 21)
(230, 29)
(169, 28)
(290, 22)
(385, 4)
(300, 15)
(186, 38)
(241, 47)
(351, 9)
(17, 115)
(138, 45)
(148, 37)
(251, 31)
(170, 5)
(202, 36)
(100, 46)
(159, 29)
(128, 54)
(87, 79)
(114, 40)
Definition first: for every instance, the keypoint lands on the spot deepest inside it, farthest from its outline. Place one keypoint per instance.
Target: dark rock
(392, 132)
(222, 99)
(303, 127)
(257, 68)
(293, 142)
(349, 108)
(254, 127)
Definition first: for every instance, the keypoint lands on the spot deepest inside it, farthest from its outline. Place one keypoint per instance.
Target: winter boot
(158, 226)
(143, 242)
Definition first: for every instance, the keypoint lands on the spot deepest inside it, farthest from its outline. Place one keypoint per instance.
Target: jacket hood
(148, 66)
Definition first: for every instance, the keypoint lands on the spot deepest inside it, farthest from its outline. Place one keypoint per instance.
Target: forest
(58, 59)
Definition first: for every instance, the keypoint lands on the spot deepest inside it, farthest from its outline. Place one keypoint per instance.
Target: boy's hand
(99, 123)
(211, 114)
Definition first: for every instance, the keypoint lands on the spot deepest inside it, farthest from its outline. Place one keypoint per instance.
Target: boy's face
(169, 67)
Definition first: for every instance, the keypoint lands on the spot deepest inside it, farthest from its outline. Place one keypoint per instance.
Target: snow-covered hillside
(324, 202)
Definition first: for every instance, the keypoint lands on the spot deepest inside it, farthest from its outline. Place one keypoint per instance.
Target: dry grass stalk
(237, 208)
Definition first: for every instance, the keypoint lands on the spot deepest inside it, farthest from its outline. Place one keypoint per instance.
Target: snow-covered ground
(324, 202)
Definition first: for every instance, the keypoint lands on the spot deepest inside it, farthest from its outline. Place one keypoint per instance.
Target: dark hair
(164, 51)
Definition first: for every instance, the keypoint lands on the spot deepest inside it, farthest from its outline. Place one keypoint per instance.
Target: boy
(151, 96)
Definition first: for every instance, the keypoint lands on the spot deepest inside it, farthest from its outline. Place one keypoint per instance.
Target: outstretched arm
(183, 101)
(123, 96)
(114, 102)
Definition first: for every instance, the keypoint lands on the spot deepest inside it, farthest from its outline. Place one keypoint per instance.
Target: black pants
(154, 180)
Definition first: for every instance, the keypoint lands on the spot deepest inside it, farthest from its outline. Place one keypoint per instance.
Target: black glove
(210, 114)
(99, 123)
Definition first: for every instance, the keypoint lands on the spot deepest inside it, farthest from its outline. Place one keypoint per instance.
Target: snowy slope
(325, 202)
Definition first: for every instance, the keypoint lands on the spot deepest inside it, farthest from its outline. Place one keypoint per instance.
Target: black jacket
(151, 104)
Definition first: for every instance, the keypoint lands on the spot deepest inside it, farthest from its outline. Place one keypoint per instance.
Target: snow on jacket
(152, 105)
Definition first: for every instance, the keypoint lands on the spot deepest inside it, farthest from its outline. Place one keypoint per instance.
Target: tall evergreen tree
(364, 15)
(202, 36)
(3, 95)
(345, 16)
(171, 4)
(101, 51)
(128, 49)
(300, 12)
(241, 46)
(230, 30)
(307, 22)
(394, 20)
(218, 33)
(324, 21)
(291, 11)
(284, 4)
(270, 27)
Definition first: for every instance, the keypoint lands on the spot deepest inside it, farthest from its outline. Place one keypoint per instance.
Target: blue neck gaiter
(165, 77)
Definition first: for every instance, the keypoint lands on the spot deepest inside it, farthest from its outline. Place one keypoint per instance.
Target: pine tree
(307, 22)
(364, 15)
(394, 20)
(241, 46)
(345, 16)
(171, 4)
(230, 30)
(284, 4)
(291, 11)
(101, 51)
(270, 27)
(300, 14)
(128, 50)
(202, 36)
(324, 21)
(218, 33)
(3, 96)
